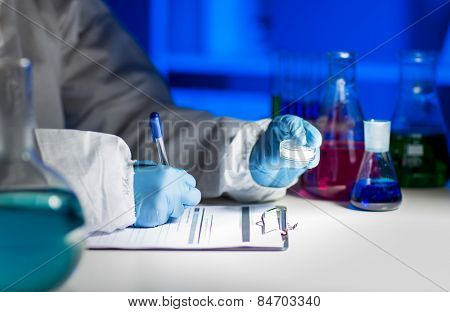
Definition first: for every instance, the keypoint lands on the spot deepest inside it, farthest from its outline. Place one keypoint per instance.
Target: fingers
(188, 195)
(182, 174)
(182, 193)
(315, 160)
(190, 180)
(301, 130)
(313, 136)
(177, 211)
(191, 196)
(297, 129)
(291, 126)
(148, 214)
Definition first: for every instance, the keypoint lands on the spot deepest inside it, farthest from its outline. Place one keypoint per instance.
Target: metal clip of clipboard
(275, 220)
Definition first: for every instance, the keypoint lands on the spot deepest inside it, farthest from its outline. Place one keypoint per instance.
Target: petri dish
(298, 155)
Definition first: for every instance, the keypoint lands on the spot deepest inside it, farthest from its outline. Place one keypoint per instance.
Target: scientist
(89, 76)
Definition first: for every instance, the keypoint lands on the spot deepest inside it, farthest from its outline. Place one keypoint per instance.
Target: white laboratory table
(333, 249)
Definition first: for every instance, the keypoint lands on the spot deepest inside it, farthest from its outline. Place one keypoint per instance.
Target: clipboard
(250, 227)
(279, 213)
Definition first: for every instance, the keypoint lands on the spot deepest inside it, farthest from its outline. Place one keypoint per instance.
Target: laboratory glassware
(276, 84)
(312, 86)
(295, 84)
(340, 122)
(418, 140)
(40, 217)
(290, 84)
(376, 188)
(297, 155)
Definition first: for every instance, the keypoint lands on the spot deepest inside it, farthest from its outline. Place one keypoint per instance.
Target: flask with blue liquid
(377, 187)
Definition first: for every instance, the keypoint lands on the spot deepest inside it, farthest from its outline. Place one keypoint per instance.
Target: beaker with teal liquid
(40, 217)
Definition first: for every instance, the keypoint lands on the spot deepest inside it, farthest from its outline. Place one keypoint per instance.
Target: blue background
(215, 54)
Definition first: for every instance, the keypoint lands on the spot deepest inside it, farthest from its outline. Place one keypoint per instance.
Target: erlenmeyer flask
(376, 188)
(40, 217)
(341, 124)
(418, 141)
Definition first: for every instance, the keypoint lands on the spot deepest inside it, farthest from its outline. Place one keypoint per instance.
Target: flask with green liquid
(40, 217)
(418, 140)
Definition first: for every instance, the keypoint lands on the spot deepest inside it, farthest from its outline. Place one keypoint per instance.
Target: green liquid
(40, 231)
(276, 105)
(420, 160)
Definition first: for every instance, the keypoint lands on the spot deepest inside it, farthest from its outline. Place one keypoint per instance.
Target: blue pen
(157, 135)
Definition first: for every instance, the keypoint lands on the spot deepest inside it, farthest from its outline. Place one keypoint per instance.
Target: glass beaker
(341, 124)
(418, 141)
(376, 188)
(40, 217)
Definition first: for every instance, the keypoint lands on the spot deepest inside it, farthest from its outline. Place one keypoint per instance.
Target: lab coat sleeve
(99, 170)
(238, 182)
(110, 86)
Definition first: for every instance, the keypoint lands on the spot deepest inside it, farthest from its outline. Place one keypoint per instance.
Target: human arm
(114, 191)
(110, 86)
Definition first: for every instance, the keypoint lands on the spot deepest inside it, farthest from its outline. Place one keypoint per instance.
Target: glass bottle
(376, 188)
(40, 217)
(341, 123)
(418, 141)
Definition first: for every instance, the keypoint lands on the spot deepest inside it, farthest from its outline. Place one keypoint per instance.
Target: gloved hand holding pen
(267, 167)
(162, 192)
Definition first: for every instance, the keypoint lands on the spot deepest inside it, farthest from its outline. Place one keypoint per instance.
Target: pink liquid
(336, 173)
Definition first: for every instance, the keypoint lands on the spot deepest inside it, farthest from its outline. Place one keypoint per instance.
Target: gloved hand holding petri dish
(296, 154)
(275, 163)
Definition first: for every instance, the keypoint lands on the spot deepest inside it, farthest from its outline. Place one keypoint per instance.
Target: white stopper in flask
(377, 135)
(293, 151)
(340, 85)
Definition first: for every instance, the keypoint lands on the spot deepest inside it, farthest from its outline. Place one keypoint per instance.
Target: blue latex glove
(161, 192)
(266, 166)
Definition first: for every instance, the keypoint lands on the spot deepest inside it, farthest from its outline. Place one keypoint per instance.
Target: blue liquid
(39, 238)
(311, 110)
(376, 194)
(289, 107)
(306, 109)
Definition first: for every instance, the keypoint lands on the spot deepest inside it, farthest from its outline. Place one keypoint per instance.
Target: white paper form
(201, 227)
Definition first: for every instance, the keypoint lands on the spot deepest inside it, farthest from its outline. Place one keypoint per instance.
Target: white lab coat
(90, 76)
